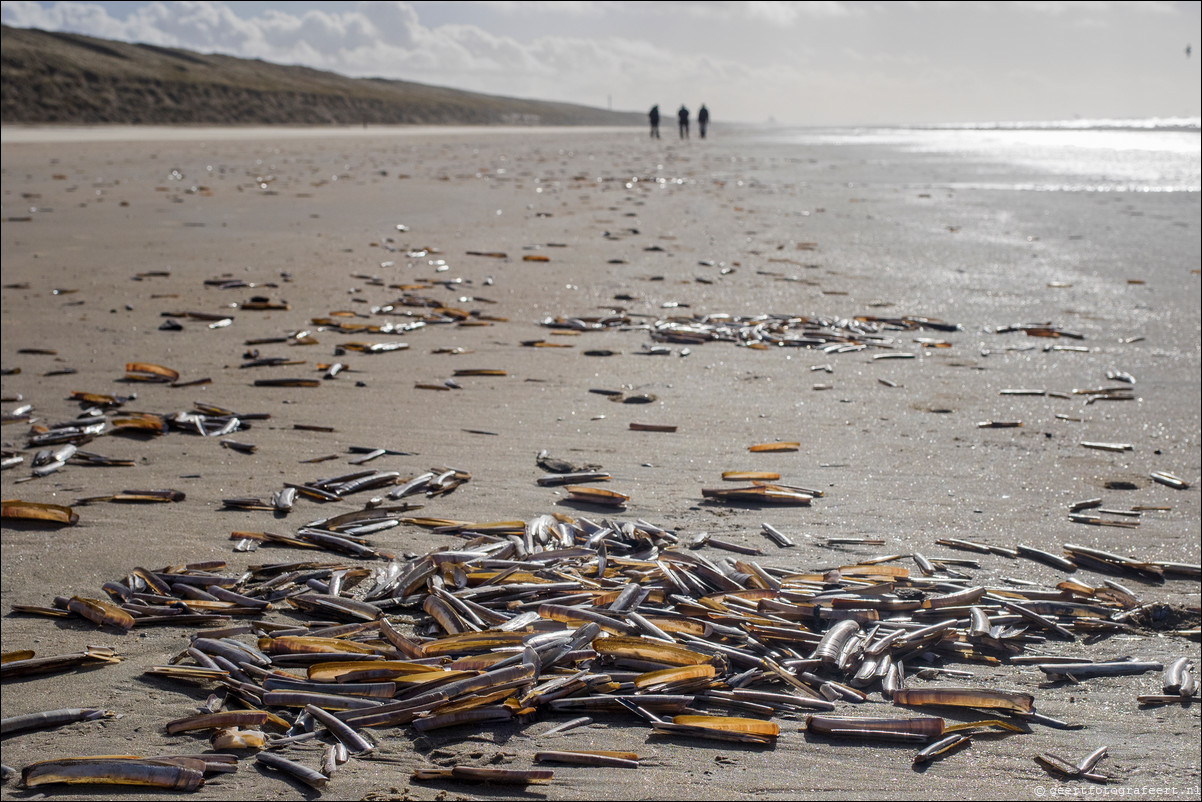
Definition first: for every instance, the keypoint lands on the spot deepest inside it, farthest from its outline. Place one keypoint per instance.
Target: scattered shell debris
(572, 617)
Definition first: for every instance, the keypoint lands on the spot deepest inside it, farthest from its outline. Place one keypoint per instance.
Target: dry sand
(806, 231)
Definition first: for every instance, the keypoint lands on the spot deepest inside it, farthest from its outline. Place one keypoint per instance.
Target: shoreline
(11, 133)
(721, 226)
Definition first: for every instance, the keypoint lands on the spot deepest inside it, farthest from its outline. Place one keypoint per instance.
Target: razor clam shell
(51, 718)
(966, 697)
(33, 511)
(1088, 670)
(308, 776)
(622, 760)
(942, 747)
(182, 774)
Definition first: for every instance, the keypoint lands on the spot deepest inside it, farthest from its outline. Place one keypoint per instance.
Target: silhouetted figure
(653, 115)
(683, 116)
(703, 119)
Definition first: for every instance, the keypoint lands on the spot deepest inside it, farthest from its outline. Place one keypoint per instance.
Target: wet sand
(726, 225)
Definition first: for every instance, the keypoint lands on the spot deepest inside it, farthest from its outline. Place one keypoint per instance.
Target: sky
(825, 62)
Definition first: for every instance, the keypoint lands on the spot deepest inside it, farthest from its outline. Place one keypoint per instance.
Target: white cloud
(575, 8)
(783, 12)
(76, 17)
(776, 12)
(199, 25)
(1096, 8)
(395, 23)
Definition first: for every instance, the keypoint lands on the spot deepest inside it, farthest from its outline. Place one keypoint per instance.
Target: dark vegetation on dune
(50, 77)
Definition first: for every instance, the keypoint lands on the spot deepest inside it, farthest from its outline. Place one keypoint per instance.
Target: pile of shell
(558, 617)
(760, 331)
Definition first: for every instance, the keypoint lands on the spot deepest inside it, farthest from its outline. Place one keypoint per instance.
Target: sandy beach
(105, 235)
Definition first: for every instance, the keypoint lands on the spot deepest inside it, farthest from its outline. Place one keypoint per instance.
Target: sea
(1099, 155)
(1145, 155)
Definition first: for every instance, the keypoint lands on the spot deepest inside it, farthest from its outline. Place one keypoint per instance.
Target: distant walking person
(703, 119)
(653, 115)
(683, 116)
